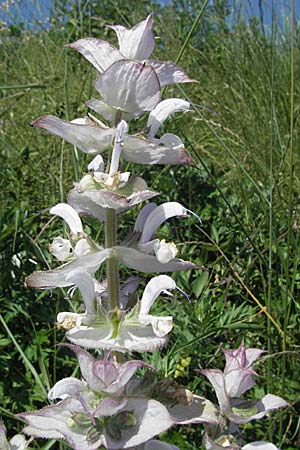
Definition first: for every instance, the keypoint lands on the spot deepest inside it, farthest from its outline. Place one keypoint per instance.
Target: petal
(89, 139)
(143, 262)
(142, 217)
(153, 289)
(122, 128)
(60, 248)
(165, 251)
(82, 248)
(65, 388)
(159, 215)
(161, 325)
(138, 86)
(138, 42)
(143, 151)
(200, 410)
(216, 378)
(260, 445)
(162, 111)
(69, 215)
(18, 442)
(99, 53)
(97, 164)
(169, 140)
(169, 73)
(85, 284)
(48, 279)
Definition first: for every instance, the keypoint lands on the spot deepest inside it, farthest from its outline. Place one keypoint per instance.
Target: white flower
(133, 330)
(79, 245)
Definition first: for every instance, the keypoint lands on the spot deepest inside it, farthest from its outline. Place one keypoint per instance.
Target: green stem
(112, 272)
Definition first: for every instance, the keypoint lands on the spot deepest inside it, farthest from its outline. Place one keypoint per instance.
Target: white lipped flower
(141, 243)
(139, 252)
(79, 243)
(119, 330)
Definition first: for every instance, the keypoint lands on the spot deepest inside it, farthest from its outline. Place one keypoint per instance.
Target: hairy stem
(112, 272)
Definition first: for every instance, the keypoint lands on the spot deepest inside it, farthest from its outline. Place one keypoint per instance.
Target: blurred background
(243, 134)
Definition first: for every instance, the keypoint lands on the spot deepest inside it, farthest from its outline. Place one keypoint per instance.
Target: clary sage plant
(114, 405)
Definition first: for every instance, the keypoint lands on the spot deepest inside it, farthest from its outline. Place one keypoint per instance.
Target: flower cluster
(114, 405)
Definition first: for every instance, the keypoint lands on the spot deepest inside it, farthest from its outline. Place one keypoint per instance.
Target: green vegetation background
(243, 134)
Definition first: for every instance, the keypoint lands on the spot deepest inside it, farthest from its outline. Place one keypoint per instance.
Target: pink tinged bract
(241, 357)
(244, 411)
(59, 422)
(105, 375)
(200, 410)
(93, 202)
(168, 73)
(152, 419)
(99, 53)
(107, 112)
(155, 151)
(55, 422)
(48, 279)
(138, 86)
(67, 387)
(238, 381)
(216, 378)
(88, 138)
(138, 42)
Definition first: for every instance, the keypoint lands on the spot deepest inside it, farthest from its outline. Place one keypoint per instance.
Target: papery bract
(123, 424)
(138, 86)
(137, 44)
